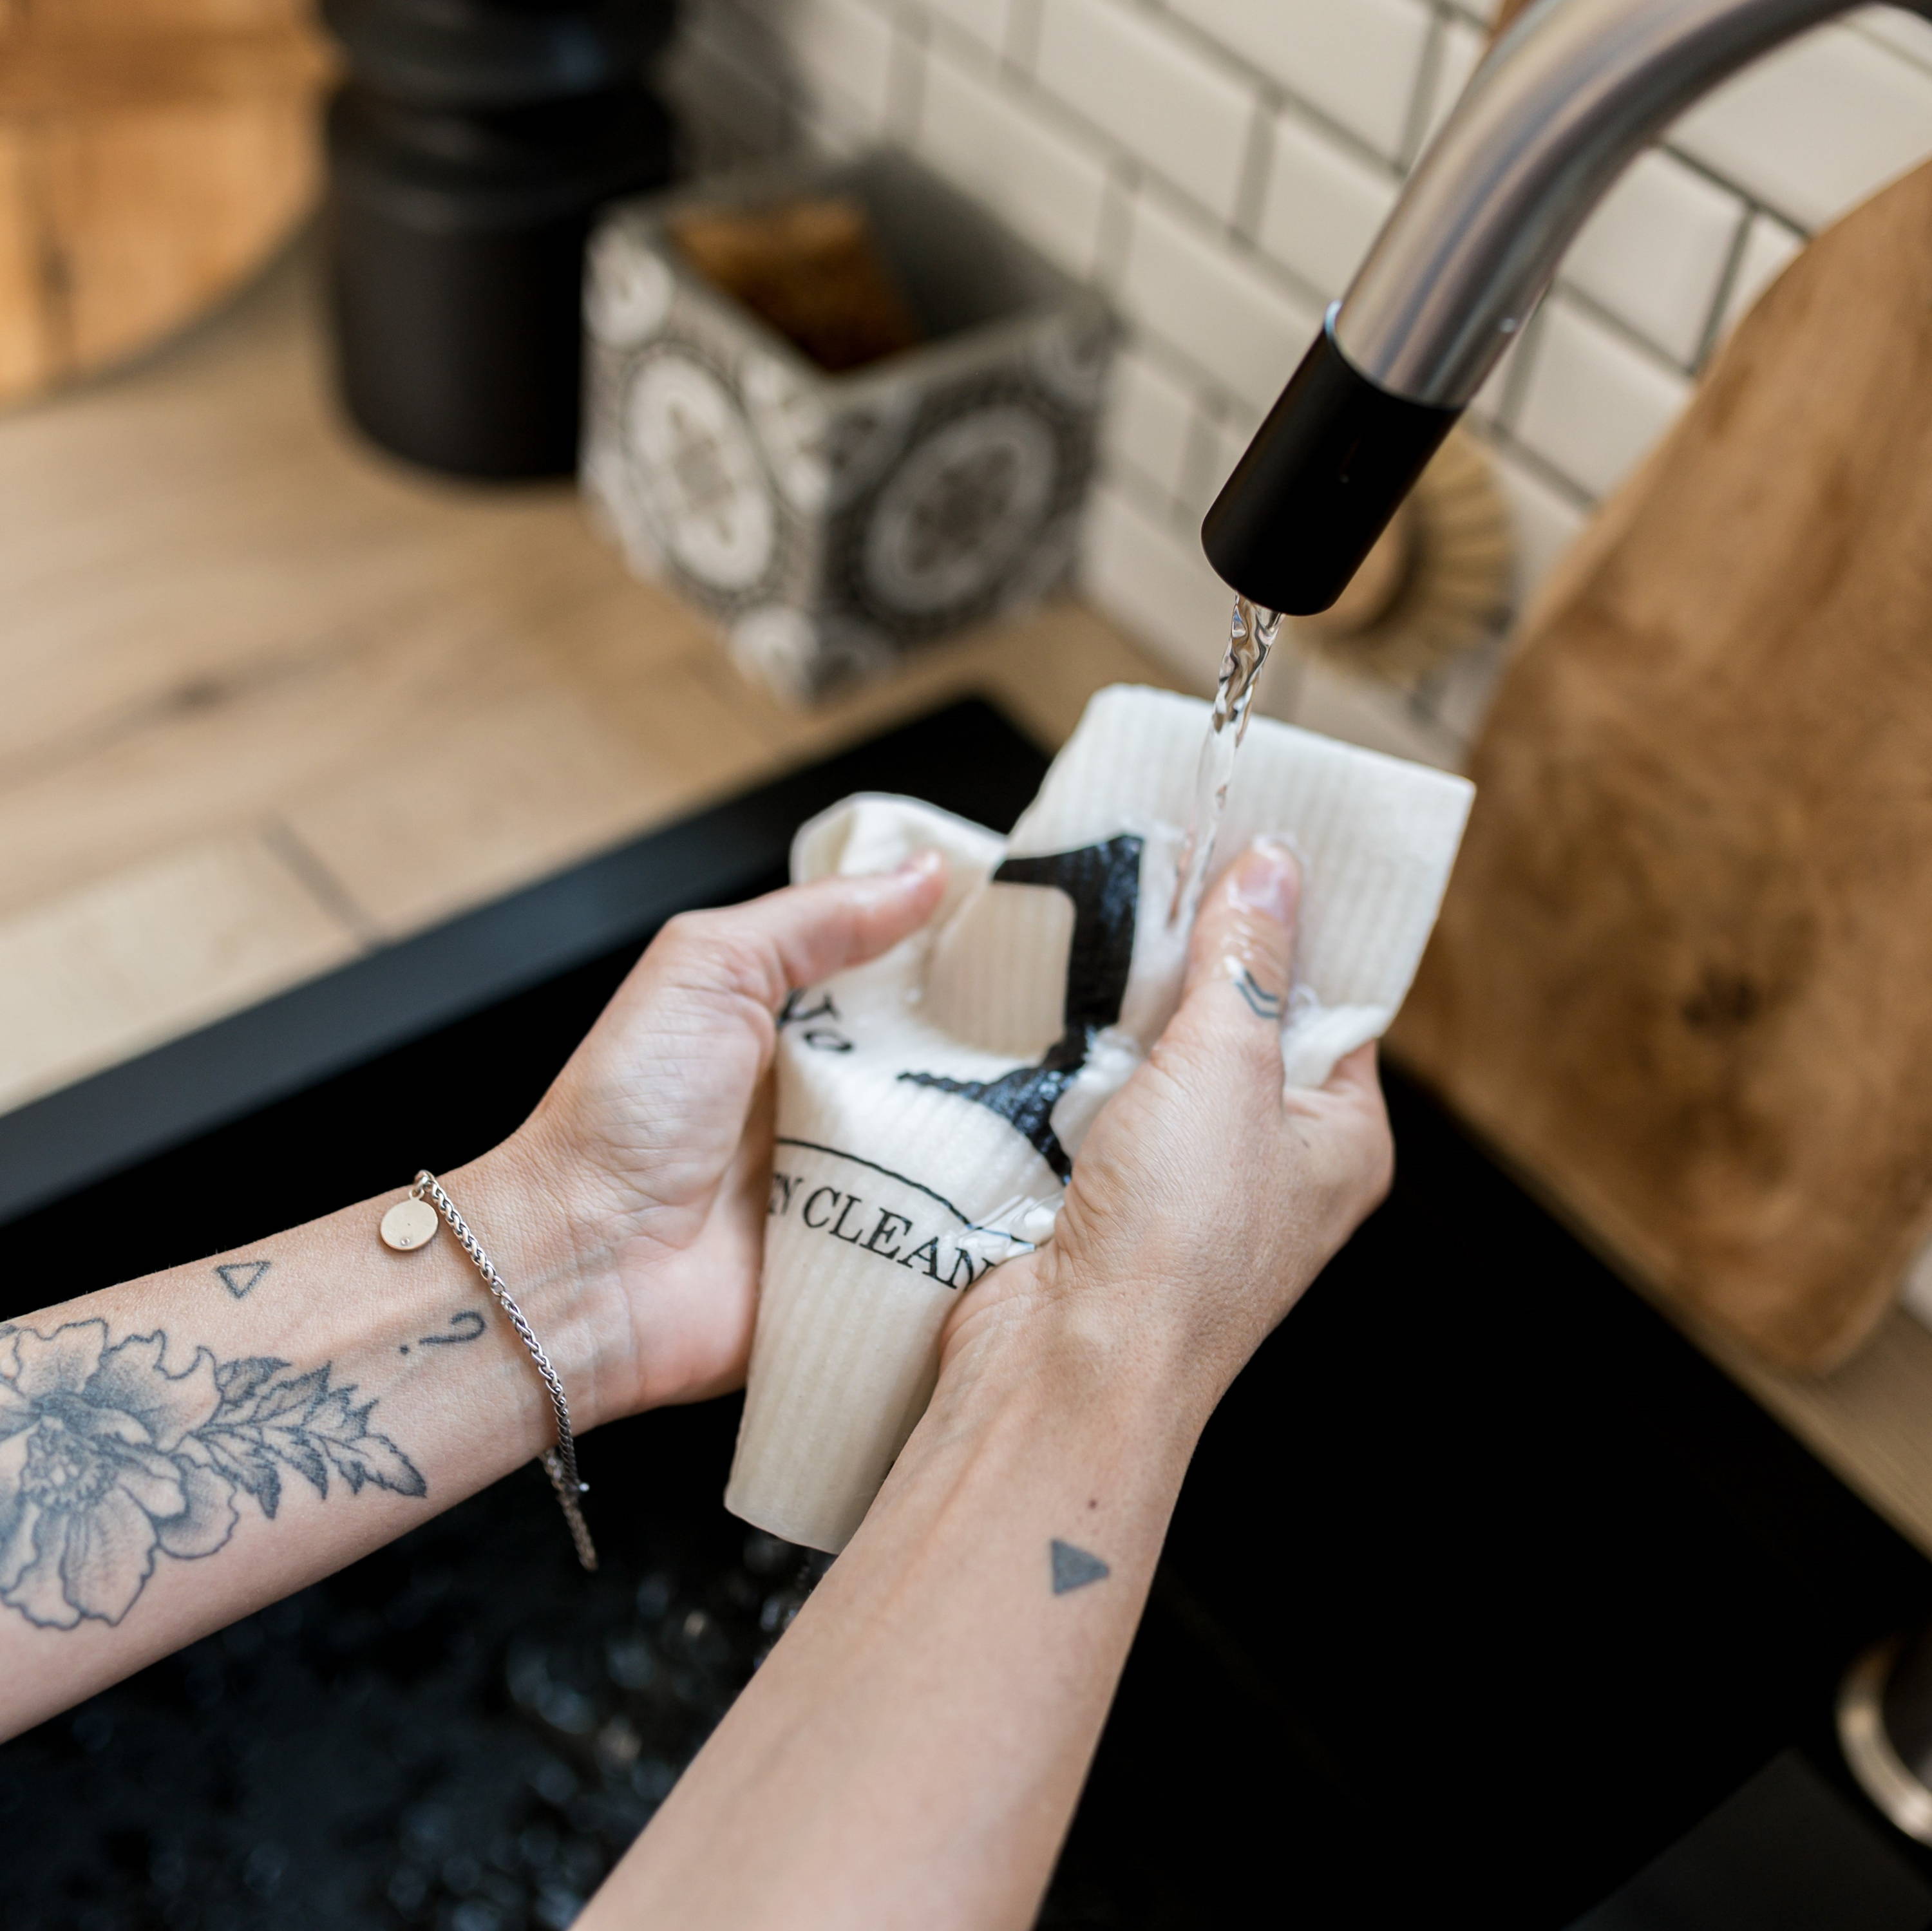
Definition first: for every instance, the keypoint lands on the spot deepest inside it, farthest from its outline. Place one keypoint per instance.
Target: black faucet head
(1319, 484)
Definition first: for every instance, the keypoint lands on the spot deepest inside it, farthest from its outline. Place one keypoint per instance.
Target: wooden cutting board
(1684, 976)
(152, 152)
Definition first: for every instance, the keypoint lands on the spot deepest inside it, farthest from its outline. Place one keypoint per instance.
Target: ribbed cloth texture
(891, 1194)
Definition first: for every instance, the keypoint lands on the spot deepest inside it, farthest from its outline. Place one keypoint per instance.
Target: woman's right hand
(911, 1751)
(1206, 1197)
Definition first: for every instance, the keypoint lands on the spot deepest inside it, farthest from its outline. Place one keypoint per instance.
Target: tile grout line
(1288, 100)
(1021, 38)
(1612, 323)
(1720, 296)
(1422, 101)
(1257, 161)
(1545, 471)
(905, 110)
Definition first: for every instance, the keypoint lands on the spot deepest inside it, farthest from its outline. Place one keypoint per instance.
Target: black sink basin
(1485, 1588)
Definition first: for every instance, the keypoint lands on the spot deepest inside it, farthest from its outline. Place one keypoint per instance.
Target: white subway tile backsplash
(1129, 139)
(905, 88)
(1216, 448)
(1461, 693)
(1150, 420)
(834, 126)
(843, 49)
(986, 20)
(1042, 185)
(1493, 401)
(1357, 61)
(1322, 205)
(1544, 520)
(731, 106)
(1907, 33)
(1239, 327)
(1655, 252)
(1814, 128)
(1458, 55)
(1155, 582)
(1593, 403)
(1182, 114)
(1322, 696)
(1769, 246)
(747, 37)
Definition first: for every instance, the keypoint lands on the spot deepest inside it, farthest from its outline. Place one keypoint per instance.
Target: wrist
(556, 1262)
(1032, 1338)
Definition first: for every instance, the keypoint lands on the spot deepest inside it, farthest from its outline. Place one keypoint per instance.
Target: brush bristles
(1456, 593)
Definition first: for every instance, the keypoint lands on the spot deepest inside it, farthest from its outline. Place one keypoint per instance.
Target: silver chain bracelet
(403, 1230)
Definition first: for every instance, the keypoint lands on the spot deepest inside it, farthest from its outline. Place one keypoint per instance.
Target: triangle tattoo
(238, 1276)
(1074, 1568)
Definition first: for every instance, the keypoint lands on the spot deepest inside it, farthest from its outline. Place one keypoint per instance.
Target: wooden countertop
(270, 700)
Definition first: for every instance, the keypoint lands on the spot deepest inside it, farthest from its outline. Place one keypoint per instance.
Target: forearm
(910, 1753)
(303, 1400)
(179, 1449)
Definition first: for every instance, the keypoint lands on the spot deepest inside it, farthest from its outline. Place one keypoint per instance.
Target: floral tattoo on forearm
(106, 1459)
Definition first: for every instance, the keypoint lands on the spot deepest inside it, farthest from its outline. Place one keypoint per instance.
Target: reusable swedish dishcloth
(931, 1105)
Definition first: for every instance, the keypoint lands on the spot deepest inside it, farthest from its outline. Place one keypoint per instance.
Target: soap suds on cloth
(931, 1104)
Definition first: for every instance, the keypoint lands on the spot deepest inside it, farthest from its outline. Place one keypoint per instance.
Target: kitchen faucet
(1563, 103)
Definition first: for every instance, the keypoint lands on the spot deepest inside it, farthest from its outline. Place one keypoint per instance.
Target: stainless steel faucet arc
(1563, 103)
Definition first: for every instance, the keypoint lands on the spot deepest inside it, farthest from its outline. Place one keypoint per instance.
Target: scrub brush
(1437, 584)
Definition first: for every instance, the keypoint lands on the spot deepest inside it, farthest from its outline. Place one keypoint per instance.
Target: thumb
(1241, 958)
(768, 946)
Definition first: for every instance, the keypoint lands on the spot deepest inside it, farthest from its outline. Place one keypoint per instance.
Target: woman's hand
(1206, 1198)
(911, 1751)
(653, 1147)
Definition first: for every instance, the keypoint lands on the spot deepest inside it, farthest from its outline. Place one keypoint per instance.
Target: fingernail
(921, 865)
(1266, 879)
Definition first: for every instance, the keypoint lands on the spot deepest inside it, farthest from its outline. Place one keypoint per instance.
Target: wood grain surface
(272, 699)
(152, 153)
(1684, 974)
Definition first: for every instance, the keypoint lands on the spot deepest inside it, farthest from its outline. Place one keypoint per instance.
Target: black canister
(469, 149)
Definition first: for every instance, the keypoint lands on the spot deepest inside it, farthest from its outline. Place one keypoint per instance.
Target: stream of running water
(1251, 636)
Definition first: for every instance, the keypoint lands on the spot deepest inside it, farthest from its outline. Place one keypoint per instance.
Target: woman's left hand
(653, 1147)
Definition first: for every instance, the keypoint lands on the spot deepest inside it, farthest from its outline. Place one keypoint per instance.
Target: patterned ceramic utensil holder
(833, 523)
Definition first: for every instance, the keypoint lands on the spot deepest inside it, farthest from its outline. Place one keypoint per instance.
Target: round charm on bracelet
(409, 1224)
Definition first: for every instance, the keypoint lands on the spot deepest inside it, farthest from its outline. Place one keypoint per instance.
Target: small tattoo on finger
(1264, 1005)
